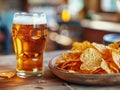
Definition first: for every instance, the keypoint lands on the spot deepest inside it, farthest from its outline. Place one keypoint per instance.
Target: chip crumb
(7, 74)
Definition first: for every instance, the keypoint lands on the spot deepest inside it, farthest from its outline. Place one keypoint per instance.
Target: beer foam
(30, 20)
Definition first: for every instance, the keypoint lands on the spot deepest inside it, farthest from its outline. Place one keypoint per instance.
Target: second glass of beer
(29, 32)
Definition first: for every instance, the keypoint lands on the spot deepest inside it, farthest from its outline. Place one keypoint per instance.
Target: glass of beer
(29, 32)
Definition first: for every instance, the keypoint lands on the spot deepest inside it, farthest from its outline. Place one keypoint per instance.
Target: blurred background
(68, 21)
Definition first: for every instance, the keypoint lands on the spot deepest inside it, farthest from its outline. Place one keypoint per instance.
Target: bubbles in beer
(24, 55)
(35, 34)
(35, 59)
(35, 69)
(29, 43)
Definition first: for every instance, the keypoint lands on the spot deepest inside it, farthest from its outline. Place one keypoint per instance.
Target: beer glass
(29, 32)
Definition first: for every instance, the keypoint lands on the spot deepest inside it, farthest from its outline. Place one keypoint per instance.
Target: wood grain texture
(47, 82)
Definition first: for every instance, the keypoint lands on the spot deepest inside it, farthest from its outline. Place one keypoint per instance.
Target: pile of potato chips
(91, 58)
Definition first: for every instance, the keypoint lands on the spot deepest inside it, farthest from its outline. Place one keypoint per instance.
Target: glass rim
(28, 13)
(29, 18)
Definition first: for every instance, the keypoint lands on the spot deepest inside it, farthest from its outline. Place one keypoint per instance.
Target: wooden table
(47, 82)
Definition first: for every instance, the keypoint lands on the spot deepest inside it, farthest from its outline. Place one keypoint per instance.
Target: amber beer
(29, 32)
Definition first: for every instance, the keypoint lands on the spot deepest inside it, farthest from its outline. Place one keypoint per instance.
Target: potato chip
(71, 55)
(99, 71)
(104, 50)
(91, 59)
(113, 67)
(105, 67)
(116, 58)
(70, 65)
(76, 67)
(81, 46)
(100, 47)
(60, 60)
(110, 57)
(115, 45)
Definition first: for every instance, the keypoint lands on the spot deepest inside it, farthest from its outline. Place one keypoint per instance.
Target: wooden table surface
(47, 82)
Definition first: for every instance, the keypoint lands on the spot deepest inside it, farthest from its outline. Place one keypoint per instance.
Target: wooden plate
(86, 79)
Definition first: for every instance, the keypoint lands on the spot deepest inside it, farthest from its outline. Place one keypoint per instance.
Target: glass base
(26, 74)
